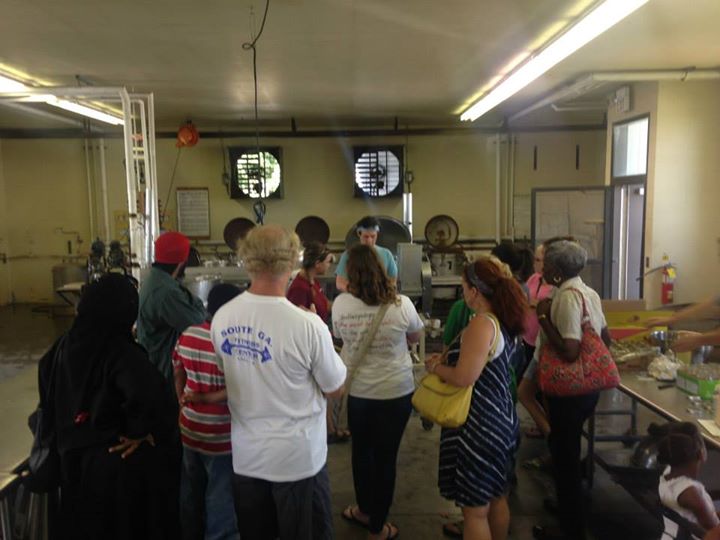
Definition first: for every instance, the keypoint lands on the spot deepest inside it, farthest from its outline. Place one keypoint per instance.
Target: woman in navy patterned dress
(475, 458)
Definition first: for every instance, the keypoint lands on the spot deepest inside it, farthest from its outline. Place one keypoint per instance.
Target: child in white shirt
(682, 449)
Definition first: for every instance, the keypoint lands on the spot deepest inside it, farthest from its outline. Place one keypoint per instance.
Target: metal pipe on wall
(497, 188)
(152, 175)
(103, 178)
(408, 212)
(135, 236)
(300, 134)
(506, 205)
(147, 183)
(592, 81)
(511, 184)
(91, 198)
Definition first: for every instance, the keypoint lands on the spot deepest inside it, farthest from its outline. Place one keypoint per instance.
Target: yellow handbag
(443, 403)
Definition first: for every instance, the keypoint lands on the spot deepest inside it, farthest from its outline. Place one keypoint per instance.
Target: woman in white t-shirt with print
(382, 386)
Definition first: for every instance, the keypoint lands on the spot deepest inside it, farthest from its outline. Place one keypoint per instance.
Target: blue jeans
(206, 497)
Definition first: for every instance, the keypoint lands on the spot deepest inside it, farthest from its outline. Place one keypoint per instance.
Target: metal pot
(645, 454)
(663, 339)
(201, 286)
(699, 355)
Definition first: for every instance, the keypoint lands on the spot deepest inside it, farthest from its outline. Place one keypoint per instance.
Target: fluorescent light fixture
(85, 111)
(11, 85)
(588, 28)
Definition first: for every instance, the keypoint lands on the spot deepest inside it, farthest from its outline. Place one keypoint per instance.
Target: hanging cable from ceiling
(259, 207)
(172, 181)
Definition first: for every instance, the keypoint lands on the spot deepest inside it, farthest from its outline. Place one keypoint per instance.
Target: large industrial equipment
(421, 271)
(313, 229)
(446, 256)
(413, 279)
(235, 230)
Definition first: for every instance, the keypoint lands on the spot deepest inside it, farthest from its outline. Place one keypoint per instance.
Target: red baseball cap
(172, 248)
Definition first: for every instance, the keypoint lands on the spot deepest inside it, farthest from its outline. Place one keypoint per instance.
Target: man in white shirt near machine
(278, 362)
(367, 230)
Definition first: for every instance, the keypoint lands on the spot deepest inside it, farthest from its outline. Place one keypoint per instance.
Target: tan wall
(686, 203)
(556, 160)
(683, 190)
(455, 174)
(452, 175)
(46, 206)
(555, 167)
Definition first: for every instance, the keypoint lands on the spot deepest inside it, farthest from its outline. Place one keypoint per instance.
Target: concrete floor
(25, 334)
(417, 507)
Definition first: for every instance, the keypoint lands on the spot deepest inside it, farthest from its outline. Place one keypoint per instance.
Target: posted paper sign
(193, 212)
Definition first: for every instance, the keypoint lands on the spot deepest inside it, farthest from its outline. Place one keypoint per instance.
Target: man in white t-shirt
(278, 361)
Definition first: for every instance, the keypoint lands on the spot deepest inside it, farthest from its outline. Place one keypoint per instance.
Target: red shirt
(204, 427)
(303, 293)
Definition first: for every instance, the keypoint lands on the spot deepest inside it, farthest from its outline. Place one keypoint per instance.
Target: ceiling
(330, 62)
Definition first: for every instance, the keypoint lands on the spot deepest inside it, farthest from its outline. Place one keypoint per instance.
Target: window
(378, 171)
(255, 176)
(630, 148)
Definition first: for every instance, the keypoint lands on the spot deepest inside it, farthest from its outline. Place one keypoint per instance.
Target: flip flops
(338, 437)
(538, 464)
(533, 432)
(454, 529)
(390, 535)
(349, 515)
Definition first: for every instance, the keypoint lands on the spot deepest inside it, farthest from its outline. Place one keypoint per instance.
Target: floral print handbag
(592, 371)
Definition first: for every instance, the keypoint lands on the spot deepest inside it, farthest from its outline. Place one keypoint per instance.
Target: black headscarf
(107, 311)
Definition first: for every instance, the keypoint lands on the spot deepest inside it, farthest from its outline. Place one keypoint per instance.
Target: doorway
(629, 178)
(628, 230)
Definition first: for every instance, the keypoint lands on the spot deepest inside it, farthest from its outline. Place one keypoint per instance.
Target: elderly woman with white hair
(561, 324)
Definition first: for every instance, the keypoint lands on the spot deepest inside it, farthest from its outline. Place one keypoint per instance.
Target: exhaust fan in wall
(378, 171)
(255, 175)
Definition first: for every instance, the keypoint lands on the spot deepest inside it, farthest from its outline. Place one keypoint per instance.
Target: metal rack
(138, 115)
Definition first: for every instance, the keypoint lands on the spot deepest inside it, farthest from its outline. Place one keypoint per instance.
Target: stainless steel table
(671, 403)
(71, 292)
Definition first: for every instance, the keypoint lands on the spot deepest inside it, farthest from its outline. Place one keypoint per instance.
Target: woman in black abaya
(113, 418)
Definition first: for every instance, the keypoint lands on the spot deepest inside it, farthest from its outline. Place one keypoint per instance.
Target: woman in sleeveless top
(475, 458)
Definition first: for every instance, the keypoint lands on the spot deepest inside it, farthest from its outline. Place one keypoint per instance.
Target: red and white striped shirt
(204, 427)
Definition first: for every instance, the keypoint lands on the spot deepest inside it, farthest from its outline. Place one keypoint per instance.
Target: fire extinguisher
(668, 284)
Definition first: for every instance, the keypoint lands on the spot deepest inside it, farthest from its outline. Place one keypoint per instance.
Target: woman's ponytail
(507, 299)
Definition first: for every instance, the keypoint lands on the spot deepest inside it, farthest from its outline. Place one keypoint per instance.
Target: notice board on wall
(193, 212)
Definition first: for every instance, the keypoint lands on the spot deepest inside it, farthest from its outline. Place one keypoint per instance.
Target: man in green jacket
(166, 307)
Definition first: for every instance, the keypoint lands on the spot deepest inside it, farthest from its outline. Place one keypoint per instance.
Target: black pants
(377, 426)
(297, 510)
(567, 416)
(105, 496)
